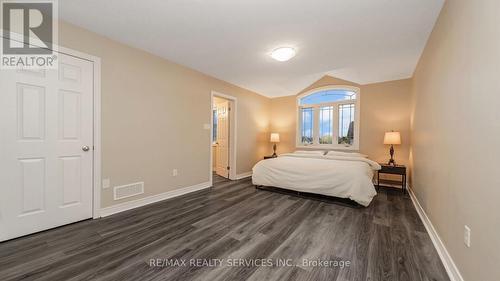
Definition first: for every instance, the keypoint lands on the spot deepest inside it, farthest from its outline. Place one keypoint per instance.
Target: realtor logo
(29, 32)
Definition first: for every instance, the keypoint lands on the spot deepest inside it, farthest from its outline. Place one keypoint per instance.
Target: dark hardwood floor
(239, 225)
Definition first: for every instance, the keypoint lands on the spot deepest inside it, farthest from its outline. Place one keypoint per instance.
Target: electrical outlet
(106, 183)
(467, 236)
(175, 173)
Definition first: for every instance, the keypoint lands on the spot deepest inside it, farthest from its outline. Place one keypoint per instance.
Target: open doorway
(223, 137)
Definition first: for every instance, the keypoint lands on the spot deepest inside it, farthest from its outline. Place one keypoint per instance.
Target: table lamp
(392, 138)
(275, 138)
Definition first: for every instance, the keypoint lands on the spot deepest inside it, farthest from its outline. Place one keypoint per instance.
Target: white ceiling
(363, 41)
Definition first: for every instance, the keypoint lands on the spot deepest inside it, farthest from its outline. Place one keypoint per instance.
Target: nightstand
(269, 157)
(393, 170)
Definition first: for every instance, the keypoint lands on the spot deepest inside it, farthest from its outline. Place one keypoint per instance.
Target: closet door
(46, 147)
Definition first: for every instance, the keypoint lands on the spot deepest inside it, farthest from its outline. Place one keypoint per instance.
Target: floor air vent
(128, 190)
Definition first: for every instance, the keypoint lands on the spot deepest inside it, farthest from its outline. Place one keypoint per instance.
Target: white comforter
(339, 176)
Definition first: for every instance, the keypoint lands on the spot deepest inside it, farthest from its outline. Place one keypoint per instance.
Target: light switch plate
(106, 183)
(467, 236)
(206, 126)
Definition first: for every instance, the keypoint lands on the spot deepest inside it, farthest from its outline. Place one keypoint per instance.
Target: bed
(343, 175)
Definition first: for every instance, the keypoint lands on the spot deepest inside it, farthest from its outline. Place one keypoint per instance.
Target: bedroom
(117, 183)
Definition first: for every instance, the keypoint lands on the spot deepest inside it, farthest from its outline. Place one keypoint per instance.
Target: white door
(223, 139)
(45, 126)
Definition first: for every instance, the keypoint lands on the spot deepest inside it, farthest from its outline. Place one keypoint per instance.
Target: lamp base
(274, 151)
(391, 161)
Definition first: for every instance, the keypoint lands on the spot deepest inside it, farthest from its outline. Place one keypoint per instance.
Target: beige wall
(384, 107)
(153, 113)
(456, 134)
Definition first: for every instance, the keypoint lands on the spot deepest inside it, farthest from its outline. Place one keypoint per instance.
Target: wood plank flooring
(234, 225)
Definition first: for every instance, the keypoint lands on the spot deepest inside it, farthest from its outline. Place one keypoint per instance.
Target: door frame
(96, 121)
(233, 121)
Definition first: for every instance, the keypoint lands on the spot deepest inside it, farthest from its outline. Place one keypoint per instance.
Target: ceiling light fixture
(283, 53)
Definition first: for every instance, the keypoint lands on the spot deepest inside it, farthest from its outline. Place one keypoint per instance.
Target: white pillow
(345, 154)
(310, 152)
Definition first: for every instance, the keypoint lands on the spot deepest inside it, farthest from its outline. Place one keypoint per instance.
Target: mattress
(339, 176)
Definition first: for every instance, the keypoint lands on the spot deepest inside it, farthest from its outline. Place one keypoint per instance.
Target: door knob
(85, 148)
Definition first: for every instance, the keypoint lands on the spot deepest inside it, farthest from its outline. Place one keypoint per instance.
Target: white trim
(357, 120)
(97, 151)
(97, 137)
(244, 175)
(125, 206)
(448, 262)
(233, 125)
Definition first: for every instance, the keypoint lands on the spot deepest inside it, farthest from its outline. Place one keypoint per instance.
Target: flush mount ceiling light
(283, 53)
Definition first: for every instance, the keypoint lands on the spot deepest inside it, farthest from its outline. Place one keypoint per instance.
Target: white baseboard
(243, 175)
(448, 262)
(104, 212)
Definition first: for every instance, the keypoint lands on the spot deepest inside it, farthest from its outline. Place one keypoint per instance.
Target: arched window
(328, 117)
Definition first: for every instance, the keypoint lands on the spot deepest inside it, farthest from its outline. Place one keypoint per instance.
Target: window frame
(335, 119)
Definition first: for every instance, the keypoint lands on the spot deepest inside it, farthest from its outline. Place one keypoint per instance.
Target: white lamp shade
(275, 137)
(392, 138)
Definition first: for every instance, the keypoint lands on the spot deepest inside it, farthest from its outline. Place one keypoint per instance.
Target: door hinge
(229, 168)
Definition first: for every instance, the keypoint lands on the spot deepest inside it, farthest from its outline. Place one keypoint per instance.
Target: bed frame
(313, 196)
